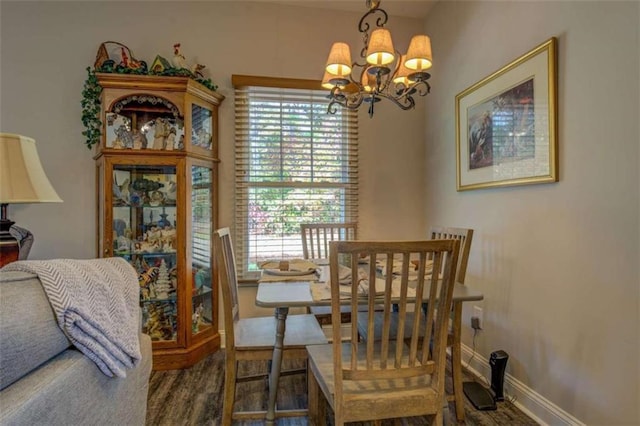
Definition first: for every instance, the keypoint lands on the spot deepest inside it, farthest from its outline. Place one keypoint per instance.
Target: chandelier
(382, 73)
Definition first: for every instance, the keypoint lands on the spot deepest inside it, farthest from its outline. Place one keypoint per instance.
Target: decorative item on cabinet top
(149, 121)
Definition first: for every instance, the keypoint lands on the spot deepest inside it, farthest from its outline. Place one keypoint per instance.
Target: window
(294, 164)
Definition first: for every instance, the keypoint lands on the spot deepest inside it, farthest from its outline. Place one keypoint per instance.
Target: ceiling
(411, 8)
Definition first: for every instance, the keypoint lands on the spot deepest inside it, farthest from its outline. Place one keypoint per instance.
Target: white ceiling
(410, 8)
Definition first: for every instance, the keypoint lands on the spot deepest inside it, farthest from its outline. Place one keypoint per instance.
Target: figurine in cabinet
(171, 139)
(121, 192)
(170, 195)
(124, 138)
(156, 198)
(139, 140)
(163, 283)
(159, 133)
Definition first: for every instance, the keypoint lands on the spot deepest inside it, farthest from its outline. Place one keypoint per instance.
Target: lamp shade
(368, 82)
(419, 53)
(329, 81)
(403, 73)
(380, 50)
(22, 179)
(326, 81)
(339, 61)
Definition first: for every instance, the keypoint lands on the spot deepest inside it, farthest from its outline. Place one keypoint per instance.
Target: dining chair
(399, 375)
(465, 236)
(251, 339)
(317, 236)
(315, 245)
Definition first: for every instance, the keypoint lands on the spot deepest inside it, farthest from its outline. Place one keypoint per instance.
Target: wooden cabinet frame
(187, 334)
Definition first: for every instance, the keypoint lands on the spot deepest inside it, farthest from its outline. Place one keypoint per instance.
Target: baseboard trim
(527, 400)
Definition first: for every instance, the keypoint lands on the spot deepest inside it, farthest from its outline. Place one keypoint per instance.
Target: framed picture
(506, 124)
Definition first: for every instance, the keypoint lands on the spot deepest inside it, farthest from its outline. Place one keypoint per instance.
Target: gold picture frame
(506, 124)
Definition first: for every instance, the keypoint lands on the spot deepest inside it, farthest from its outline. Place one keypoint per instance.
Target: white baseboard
(529, 401)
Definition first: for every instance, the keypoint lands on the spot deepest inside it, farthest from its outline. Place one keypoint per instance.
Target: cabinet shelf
(169, 299)
(144, 253)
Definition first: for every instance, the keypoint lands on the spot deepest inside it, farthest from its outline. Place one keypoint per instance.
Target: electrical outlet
(475, 323)
(477, 313)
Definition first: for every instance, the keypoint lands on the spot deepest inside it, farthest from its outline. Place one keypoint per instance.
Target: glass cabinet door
(144, 215)
(202, 130)
(202, 230)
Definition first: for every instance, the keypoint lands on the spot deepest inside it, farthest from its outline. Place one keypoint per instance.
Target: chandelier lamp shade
(22, 180)
(382, 72)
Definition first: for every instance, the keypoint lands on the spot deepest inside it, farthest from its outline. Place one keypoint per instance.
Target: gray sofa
(45, 381)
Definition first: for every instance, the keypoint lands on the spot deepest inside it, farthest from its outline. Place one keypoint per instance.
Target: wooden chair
(399, 375)
(317, 236)
(465, 236)
(252, 339)
(315, 245)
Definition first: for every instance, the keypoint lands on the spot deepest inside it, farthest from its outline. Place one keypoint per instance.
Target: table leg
(456, 360)
(276, 364)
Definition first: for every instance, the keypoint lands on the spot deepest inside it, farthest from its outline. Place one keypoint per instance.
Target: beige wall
(558, 263)
(543, 255)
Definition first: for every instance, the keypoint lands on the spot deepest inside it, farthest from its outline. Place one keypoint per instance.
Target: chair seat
(395, 396)
(259, 333)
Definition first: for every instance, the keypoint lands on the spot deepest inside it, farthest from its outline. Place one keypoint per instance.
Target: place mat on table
(298, 270)
(265, 277)
(322, 291)
(397, 268)
(299, 265)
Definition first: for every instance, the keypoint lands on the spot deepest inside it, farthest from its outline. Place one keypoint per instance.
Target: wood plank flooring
(193, 397)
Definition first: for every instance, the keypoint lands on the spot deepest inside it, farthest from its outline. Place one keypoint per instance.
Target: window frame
(241, 228)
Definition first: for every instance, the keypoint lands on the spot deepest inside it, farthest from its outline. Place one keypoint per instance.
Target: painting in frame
(506, 124)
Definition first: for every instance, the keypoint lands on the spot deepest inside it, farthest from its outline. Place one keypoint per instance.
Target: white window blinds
(294, 164)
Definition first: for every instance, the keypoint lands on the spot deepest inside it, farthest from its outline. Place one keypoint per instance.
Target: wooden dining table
(286, 294)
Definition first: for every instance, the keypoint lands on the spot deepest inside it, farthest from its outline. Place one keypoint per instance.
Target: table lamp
(22, 180)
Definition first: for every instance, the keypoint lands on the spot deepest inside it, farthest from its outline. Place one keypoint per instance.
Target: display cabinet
(157, 206)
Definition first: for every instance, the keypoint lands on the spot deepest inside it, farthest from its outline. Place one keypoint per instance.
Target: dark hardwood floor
(194, 397)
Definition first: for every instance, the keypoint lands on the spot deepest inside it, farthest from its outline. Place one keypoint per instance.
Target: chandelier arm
(351, 101)
(408, 103)
(363, 69)
(354, 102)
(421, 87)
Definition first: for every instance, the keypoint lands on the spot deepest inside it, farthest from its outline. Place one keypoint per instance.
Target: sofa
(44, 380)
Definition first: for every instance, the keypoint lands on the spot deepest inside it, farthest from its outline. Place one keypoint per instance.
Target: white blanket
(96, 305)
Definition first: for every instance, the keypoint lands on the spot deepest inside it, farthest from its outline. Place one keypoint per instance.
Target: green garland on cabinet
(91, 97)
(91, 109)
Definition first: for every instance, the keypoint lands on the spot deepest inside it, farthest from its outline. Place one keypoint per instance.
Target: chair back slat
(464, 235)
(384, 274)
(317, 236)
(228, 282)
